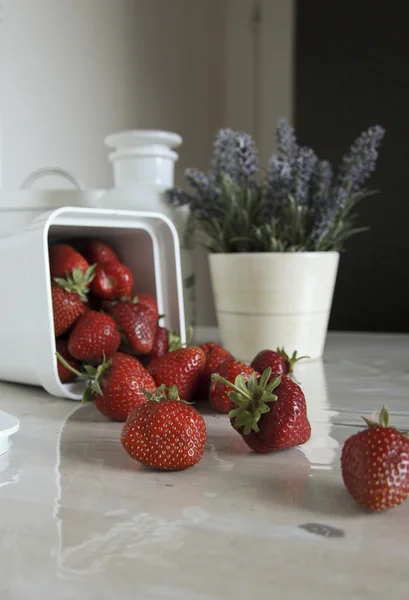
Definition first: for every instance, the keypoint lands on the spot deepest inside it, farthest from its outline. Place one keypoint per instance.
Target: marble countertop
(79, 519)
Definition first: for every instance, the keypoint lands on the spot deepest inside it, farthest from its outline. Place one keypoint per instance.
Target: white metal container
(18, 208)
(266, 300)
(143, 165)
(147, 242)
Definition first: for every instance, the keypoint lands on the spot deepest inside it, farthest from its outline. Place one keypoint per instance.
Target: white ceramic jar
(143, 165)
(266, 300)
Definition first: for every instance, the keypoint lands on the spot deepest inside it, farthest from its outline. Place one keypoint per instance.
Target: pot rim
(258, 254)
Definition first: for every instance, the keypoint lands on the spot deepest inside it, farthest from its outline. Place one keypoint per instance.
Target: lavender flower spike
(358, 164)
(223, 153)
(178, 197)
(321, 183)
(328, 212)
(278, 182)
(235, 155)
(200, 182)
(246, 158)
(304, 165)
(285, 141)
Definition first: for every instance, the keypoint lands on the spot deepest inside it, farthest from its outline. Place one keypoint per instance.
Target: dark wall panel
(352, 71)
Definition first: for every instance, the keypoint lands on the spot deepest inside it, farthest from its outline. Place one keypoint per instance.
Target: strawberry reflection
(321, 449)
(110, 508)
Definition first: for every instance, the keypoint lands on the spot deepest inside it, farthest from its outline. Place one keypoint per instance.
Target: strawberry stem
(70, 368)
(237, 386)
(93, 375)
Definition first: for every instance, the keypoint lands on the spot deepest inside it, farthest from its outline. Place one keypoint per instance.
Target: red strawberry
(67, 308)
(112, 281)
(165, 341)
(116, 385)
(138, 324)
(160, 342)
(95, 335)
(180, 367)
(375, 465)
(65, 374)
(148, 301)
(142, 299)
(270, 414)
(215, 355)
(219, 394)
(278, 360)
(165, 433)
(64, 259)
(99, 252)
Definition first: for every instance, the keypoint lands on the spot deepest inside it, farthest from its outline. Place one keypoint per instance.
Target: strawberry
(148, 301)
(65, 374)
(64, 259)
(67, 308)
(94, 336)
(112, 281)
(165, 341)
(137, 323)
(99, 252)
(270, 414)
(215, 355)
(160, 342)
(142, 299)
(278, 360)
(219, 394)
(116, 386)
(165, 433)
(180, 367)
(375, 465)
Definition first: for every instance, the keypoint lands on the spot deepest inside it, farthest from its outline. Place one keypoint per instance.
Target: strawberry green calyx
(383, 421)
(251, 398)
(92, 374)
(77, 282)
(290, 360)
(174, 341)
(163, 393)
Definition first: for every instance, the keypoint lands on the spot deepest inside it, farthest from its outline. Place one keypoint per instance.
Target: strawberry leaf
(384, 417)
(173, 393)
(88, 395)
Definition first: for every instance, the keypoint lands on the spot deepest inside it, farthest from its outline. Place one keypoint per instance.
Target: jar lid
(143, 137)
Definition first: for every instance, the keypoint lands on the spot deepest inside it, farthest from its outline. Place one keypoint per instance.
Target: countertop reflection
(79, 519)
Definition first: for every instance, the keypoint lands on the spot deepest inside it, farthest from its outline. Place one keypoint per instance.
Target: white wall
(72, 71)
(259, 67)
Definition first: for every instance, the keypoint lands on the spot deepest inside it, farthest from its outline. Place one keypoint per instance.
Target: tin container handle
(29, 180)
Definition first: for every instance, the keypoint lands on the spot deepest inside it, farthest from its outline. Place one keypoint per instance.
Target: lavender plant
(297, 204)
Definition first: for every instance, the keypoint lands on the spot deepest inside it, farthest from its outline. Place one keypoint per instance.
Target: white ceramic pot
(266, 300)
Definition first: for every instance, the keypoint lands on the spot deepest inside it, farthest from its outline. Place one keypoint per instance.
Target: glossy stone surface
(79, 519)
